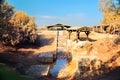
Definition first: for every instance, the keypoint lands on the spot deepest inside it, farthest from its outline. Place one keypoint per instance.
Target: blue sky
(70, 12)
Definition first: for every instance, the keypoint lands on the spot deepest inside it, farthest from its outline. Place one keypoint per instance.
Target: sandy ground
(101, 46)
(47, 43)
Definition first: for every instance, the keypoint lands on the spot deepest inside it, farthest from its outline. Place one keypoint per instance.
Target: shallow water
(60, 64)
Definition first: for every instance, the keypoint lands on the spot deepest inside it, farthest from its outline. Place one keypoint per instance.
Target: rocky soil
(96, 59)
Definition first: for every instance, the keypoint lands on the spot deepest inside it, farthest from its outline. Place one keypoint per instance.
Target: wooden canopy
(85, 29)
(58, 27)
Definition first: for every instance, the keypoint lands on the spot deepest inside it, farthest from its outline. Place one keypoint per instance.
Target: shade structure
(58, 27)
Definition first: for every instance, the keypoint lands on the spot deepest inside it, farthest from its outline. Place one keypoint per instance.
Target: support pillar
(78, 35)
(70, 32)
(87, 33)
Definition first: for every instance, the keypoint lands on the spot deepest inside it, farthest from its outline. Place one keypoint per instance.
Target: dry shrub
(117, 40)
(16, 26)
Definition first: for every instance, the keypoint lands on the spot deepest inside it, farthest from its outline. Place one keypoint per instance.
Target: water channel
(61, 60)
(60, 63)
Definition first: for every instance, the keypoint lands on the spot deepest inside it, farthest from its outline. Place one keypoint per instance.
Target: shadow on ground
(44, 41)
(18, 59)
(22, 60)
(84, 39)
(40, 42)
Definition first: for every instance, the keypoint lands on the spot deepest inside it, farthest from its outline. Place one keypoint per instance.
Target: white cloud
(48, 17)
(70, 19)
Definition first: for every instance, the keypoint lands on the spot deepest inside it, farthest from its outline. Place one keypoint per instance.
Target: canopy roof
(81, 29)
(59, 25)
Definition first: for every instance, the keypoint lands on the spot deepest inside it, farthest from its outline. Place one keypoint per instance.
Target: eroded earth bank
(95, 59)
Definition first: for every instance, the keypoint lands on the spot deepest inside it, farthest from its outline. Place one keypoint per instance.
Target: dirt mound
(93, 60)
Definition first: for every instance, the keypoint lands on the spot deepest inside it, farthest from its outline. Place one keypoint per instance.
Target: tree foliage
(111, 10)
(16, 26)
(111, 13)
(6, 13)
(24, 28)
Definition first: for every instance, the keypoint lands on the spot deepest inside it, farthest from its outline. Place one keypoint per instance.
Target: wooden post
(78, 35)
(69, 33)
(57, 36)
(101, 28)
(87, 33)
